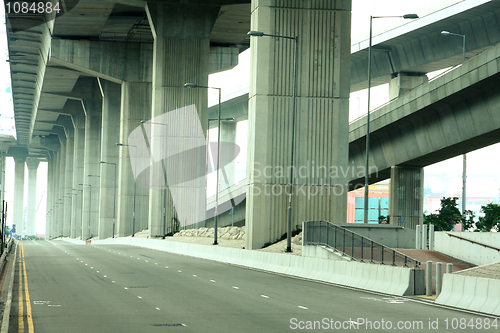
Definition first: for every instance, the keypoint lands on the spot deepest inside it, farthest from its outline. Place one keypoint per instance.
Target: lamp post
(90, 203)
(119, 144)
(194, 85)
(164, 169)
(464, 156)
(294, 106)
(366, 194)
(114, 194)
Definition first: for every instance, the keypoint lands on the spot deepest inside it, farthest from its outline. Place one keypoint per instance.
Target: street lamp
(114, 194)
(406, 16)
(90, 204)
(296, 39)
(119, 144)
(194, 85)
(464, 159)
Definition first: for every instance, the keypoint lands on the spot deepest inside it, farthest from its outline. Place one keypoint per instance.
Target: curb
(6, 314)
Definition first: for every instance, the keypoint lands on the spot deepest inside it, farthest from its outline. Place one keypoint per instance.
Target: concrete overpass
(83, 82)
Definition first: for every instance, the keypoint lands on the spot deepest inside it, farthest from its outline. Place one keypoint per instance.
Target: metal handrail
(473, 241)
(352, 245)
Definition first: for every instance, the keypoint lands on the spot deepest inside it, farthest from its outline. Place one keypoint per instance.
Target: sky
(483, 170)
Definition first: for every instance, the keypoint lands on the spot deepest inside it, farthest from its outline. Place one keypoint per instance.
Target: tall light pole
(294, 106)
(464, 156)
(114, 194)
(90, 204)
(119, 144)
(367, 166)
(194, 85)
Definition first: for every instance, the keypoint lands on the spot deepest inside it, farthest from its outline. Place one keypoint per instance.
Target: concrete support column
(18, 209)
(403, 82)
(110, 135)
(406, 195)
(78, 162)
(90, 207)
(68, 182)
(228, 167)
(52, 190)
(321, 120)
(2, 177)
(181, 53)
(61, 197)
(31, 204)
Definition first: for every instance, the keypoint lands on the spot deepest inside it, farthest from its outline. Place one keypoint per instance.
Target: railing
(352, 245)
(473, 241)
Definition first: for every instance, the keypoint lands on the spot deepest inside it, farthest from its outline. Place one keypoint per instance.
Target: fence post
(431, 237)
(428, 279)
(418, 237)
(361, 249)
(371, 252)
(382, 254)
(439, 278)
(424, 236)
(343, 243)
(352, 246)
(335, 237)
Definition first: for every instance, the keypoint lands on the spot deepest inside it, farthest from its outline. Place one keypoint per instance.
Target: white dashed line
(179, 271)
(97, 271)
(113, 281)
(235, 287)
(302, 307)
(166, 266)
(139, 296)
(195, 275)
(212, 280)
(158, 309)
(146, 261)
(156, 263)
(86, 264)
(91, 267)
(104, 275)
(264, 296)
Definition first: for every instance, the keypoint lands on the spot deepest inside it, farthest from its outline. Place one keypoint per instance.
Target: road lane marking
(166, 266)
(139, 296)
(195, 275)
(264, 296)
(235, 287)
(212, 280)
(23, 276)
(21, 310)
(158, 309)
(179, 271)
(302, 307)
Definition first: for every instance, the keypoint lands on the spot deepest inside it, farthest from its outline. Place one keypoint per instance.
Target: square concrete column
(32, 164)
(406, 196)
(110, 135)
(68, 195)
(52, 190)
(61, 198)
(133, 200)
(78, 166)
(90, 206)
(18, 208)
(228, 166)
(181, 54)
(320, 163)
(2, 176)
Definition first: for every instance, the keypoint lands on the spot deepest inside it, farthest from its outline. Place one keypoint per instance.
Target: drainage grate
(169, 325)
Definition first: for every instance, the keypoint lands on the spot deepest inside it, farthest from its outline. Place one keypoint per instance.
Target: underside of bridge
(99, 93)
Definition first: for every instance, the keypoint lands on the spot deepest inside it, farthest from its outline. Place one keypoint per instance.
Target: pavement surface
(491, 271)
(112, 288)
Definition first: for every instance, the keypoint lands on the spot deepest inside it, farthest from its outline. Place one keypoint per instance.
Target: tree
(491, 218)
(446, 218)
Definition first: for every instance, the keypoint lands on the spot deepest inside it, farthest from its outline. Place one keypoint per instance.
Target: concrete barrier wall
(388, 235)
(386, 279)
(471, 293)
(490, 238)
(313, 251)
(474, 253)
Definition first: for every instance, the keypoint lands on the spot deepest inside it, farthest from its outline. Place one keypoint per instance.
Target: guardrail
(473, 241)
(352, 245)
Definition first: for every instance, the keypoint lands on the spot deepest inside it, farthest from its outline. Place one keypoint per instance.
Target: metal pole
(218, 160)
(365, 217)
(290, 189)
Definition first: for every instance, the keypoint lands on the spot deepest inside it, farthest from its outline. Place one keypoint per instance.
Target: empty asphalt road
(91, 288)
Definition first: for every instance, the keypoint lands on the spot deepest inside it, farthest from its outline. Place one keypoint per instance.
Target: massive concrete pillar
(51, 196)
(228, 167)
(78, 162)
(31, 205)
(402, 82)
(91, 168)
(110, 135)
(61, 197)
(180, 54)
(2, 177)
(321, 120)
(68, 175)
(18, 209)
(406, 195)
(133, 200)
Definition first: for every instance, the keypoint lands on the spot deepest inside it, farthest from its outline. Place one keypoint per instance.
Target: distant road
(89, 288)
